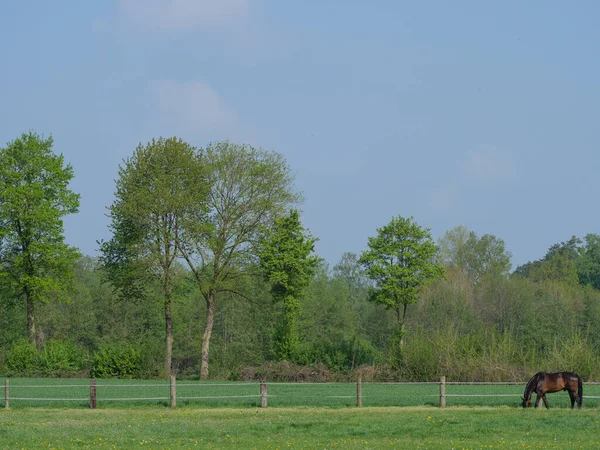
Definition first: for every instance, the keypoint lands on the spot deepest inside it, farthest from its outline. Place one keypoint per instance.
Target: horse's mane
(529, 386)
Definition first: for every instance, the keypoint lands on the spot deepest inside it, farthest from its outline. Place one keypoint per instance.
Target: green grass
(74, 393)
(301, 427)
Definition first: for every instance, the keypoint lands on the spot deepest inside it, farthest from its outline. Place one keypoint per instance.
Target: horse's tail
(579, 390)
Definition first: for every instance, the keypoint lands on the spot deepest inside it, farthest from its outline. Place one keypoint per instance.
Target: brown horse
(542, 383)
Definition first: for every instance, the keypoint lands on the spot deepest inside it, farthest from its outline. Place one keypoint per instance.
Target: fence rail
(277, 393)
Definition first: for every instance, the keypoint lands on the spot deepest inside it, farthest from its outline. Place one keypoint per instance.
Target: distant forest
(209, 273)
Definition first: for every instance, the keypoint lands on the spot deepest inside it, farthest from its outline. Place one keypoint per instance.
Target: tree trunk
(402, 326)
(210, 319)
(168, 338)
(31, 320)
(399, 339)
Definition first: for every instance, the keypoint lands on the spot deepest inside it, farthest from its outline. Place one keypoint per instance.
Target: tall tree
(159, 189)
(35, 262)
(399, 261)
(482, 256)
(352, 274)
(588, 264)
(287, 264)
(249, 188)
(559, 264)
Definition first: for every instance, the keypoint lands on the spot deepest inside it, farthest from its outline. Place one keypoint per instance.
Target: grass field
(74, 393)
(54, 413)
(301, 427)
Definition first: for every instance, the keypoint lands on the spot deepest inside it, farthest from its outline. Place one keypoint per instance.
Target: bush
(61, 358)
(152, 356)
(341, 356)
(284, 371)
(57, 358)
(574, 353)
(22, 359)
(116, 361)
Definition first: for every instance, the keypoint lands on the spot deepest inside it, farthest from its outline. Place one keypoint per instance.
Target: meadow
(301, 427)
(55, 413)
(114, 393)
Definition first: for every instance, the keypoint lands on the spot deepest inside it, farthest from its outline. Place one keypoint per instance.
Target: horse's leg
(573, 397)
(538, 397)
(545, 401)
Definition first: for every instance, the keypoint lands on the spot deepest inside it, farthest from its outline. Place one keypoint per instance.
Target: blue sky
(483, 114)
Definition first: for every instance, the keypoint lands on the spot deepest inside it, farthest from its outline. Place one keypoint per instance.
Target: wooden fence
(445, 391)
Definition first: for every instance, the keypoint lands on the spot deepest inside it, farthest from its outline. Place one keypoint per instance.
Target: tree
(482, 256)
(352, 274)
(159, 189)
(588, 264)
(559, 264)
(249, 189)
(35, 262)
(287, 264)
(399, 261)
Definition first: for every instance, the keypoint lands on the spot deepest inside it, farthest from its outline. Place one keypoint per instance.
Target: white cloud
(193, 107)
(488, 167)
(184, 14)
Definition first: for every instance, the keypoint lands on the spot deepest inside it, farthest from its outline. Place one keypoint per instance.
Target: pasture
(301, 427)
(74, 393)
(55, 413)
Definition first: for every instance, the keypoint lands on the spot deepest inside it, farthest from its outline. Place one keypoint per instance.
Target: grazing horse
(543, 382)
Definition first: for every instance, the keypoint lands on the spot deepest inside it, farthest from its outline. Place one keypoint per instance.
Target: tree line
(209, 265)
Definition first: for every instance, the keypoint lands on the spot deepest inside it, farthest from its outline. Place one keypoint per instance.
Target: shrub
(284, 371)
(575, 353)
(116, 361)
(341, 356)
(61, 358)
(22, 358)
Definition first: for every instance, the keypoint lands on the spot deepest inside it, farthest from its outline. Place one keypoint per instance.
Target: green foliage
(479, 257)
(588, 264)
(161, 190)
(285, 257)
(400, 261)
(558, 265)
(212, 209)
(57, 358)
(23, 358)
(342, 356)
(35, 263)
(287, 265)
(116, 361)
(248, 189)
(60, 358)
(574, 353)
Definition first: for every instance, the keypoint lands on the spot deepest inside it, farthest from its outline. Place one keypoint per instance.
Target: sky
(483, 114)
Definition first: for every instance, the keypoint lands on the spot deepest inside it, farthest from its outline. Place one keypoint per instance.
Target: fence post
(359, 391)
(92, 394)
(6, 394)
(173, 392)
(443, 392)
(263, 394)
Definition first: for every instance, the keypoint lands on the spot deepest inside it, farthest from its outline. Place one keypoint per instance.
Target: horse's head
(526, 402)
